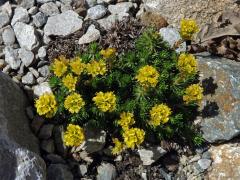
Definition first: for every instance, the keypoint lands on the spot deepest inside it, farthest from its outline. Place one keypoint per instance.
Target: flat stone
(221, 104)
(106, 171)
(48, 146)
(63, 24)
(26, 36)
(46, 131)
(20, 15)
(39, 19)
(27, 4)
(123, 7)
(28, 79)
(204, 163)
(91, 35)
(172, 36)
(42, 88)
(49, 9)
(59, 172)
(96, 12)
(26, 56)
(8, 36)
(11, 57)
(4, 19)
(151, 155)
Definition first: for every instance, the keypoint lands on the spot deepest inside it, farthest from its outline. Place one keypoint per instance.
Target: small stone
(4, 19)
(48, 146)
(195, 158)
(11, 57)
(26, 56)
(55, 159)
(44, 1)
(39, 19)
(6, 69)
(46, 39)
(49, 9)
(46, 131)
(151, 155)
(59, 172)
(42, 52)
(91, 35)
(82, 169)
(27, 3)
(119, 8)
(44, 71)
(41, 80)
(96, 12)
(8, 36)
(26, 36)
(109, 21)
(63, 24)
(20, 15)
(34, 72)
(7, 8)
(37, 124)
(42, 88)
(204, 163)
(2, 63)
(21, 69)
(206, 155)
(28, 79)
(66, 7)
(58, 134)
(33, 10)
(30, 112)
(106, 171)
(91, 3)
(67, 2)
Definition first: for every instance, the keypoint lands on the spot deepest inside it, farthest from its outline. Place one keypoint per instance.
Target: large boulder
(221, 105)
(19, 149)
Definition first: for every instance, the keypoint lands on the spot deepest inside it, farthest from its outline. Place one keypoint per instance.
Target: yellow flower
(73, 103)
(188, 28)
(69, 82)
(108, 53)
(118, 148)
(46, 105)
(60, 66)
(159, 115)
(126, 120)
(74, 136)
(187, 64)
(105, 101)
(147, 76)
(95, 68)
(77, 66)
(133, 137)
(193, 93)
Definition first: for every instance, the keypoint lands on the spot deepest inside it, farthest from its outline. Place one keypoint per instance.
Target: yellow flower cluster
(118, 148)
(193, 93)
(74, 136)
(105, 101)
(73, 103)
(133, 137)
(60, 66)
(126, 120)
(95, 68)
(188, 28)
(77, 66)
(147, 76)
(159, 115)
(187, 64)
(69, 82)
(46, 105)
(108, 53)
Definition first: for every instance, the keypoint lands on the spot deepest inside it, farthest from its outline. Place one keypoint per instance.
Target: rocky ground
(34, 32)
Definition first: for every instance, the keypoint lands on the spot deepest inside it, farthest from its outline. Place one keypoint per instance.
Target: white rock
(49, 9)
(6, 8)
(91, 35)
(26, 36)
(63, 24)
(106, 171)
(44, 1)
(20, 15)
(26, 56)
(39, 19)
(91, 3)
(42, 88)
(4, 19)
(96, 12)
(8, 36)
(123, 7)
(109, 21)
(42, 52)
(11, 57)
(33, 10)
(44, 71)
(28, 79)
(27, 4)
(204, 163)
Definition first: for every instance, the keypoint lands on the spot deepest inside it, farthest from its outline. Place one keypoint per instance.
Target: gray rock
(28, 79)
(109, 21)
(96, 12)
(42, 52)
(48, 146)
(27, 4)
(59, 172)
(44, 71)
(171, 35)
(91, 3)
(55, 159)
(91, 35)
(37, 123)
(221, 104)
(11, 57)
(20, 15)
(67, 2)
(19, 149)
(46, 39)
(106, 171)
(26, 36)
(66, 7)
(204, 163)
(151, 155)
(123, 7)
(46, 131)
(105, 1)
(26, 56)
(30, 112)
(7, 8)
(33, 10)
(49, 9)
(58, 134)
(34, 72)
(42, 88)
(8, 36)
(39, 19)
(63, 24)
(82, 168)
(206, 155)
(44, 1)
(4, 19)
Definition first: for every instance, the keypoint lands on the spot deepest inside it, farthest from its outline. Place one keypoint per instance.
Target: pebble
(28, 79)
(46, 131)
(106, 171)
(49, 9)
(37, 123)
(206, 155)
(39, 19)
(34, 72)
(55, 159)
(44, 71)
(26, 56)
(4, 19)
(91, 35)
(82, 168)
(11, 57)
(33, 10)
(42, 88)
(27, 3)
(20, 15)
(91, 3)
(195, 158)
(48, 146)
(8, 36)
(96, 12)
(204, 163)
(119, 8)
(42, 52)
